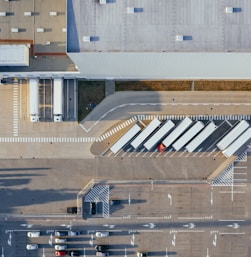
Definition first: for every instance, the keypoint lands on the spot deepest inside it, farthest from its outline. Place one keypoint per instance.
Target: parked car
(60, 253)
(72, 210)
(101, 248)
(93, 208)
(102, 234)
(61, 233)
(74, 253)
(102, 253)
(74, 233)
(33, 234)
(60, 240)
(141, 254)
(114, 202)
(32, 246)
(60, 247)
(8, 80)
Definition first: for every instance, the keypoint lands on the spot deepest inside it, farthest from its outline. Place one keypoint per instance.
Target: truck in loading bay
(58, 100)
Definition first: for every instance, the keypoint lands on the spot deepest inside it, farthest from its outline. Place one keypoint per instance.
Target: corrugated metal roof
(14, 55)
(164, 65)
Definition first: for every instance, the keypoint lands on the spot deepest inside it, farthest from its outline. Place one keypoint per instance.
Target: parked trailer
(145, 133)
(183, 125)
(238, 143)
(201, 137)
(34, 100)
(150, 143)
(185, 138)
(58, 100)
(132, 132)
(232, 135)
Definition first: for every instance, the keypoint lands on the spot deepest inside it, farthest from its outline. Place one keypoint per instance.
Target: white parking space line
(234, 192)
(233, 233)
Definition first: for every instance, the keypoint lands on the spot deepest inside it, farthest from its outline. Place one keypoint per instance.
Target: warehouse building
(160, 39)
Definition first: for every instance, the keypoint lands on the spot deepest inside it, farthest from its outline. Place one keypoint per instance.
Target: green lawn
(90, 93)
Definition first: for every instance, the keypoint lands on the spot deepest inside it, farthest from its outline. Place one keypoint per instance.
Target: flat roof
(154, 25)
(19, 24)
(14, 55)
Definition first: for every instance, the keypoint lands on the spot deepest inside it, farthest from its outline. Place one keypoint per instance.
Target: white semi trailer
(34, 99)
(232, 135)
(58, 100)
(201, 137)
(238, 143)
(182, 126)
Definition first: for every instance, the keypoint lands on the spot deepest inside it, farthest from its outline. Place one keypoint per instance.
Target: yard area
(184, 85)
(91, 93)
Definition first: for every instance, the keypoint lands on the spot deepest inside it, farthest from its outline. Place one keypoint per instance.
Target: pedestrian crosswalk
(225, 178)
(47, 139)
(117, 128)
(194, 117)
(242, 157)
(15, 110)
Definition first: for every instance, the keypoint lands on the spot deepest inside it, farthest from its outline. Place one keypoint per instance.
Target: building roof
(14, 55)
(164, 65)
(164, 39)
(153, 26)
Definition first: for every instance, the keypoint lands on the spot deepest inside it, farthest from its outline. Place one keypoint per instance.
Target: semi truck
(238, 143)
(126, 138)
(189, 135)
(145, 133)
(201, 137)
(232, 135)
(58, 100)
(159, 135)
(182, 126)
(34, 99)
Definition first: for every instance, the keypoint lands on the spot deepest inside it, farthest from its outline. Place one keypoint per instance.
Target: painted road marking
(189, 225)
(15, 110)
(215, 240)
(170, 199)
(195, 218)
(241, 233)
(47, 139)
(9, 239)
(132, 239)
(149, 225)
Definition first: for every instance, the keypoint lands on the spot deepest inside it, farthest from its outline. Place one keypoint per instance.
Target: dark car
(101, 248)
(74, 253)
(9, 80)
(93, 208)
(61, 233)
(114, 202)
(141, 254)
(72, 210)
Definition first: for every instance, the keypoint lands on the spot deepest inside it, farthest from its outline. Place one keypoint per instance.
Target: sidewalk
(109, 87)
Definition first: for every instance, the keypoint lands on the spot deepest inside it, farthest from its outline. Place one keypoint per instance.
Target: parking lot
(208, 148)
(165, 218)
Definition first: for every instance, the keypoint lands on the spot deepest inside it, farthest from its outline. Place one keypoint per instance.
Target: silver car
(60, 247)
(60, 240)
(33, 234)
(31, 246)
(102, 234)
